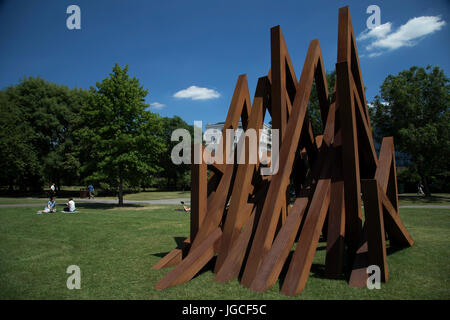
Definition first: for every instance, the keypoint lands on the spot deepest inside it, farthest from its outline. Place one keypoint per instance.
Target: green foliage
(37, 121)
(175, 174)
(414, 108)
(314, 107)
(121, 141)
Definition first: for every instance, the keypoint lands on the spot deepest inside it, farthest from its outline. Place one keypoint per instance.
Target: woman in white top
(70, 206)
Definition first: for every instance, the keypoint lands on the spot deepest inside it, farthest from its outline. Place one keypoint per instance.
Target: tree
(175, 174)
(414, 108)
(36, 132)
(18, 157)
(121, 140)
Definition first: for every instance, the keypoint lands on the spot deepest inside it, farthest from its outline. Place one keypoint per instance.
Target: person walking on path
(91, 191)
(52, 190)
(420, 189)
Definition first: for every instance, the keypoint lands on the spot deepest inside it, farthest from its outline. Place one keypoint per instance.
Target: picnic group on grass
(70, 205)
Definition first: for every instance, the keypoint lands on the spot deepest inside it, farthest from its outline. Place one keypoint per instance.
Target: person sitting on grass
(70, 206)
(51, 206)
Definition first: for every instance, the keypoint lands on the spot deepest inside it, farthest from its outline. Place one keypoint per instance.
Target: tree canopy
(120, 140)
(414, 108)
(105, 135)
(37, 119)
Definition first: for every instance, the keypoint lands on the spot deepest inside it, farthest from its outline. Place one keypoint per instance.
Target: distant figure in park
(91, 191)
(52, 190)
(185, 208)
(70, 206)
(420, 189)
(51, 206)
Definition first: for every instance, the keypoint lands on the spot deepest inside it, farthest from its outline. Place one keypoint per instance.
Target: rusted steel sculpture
(245, 218)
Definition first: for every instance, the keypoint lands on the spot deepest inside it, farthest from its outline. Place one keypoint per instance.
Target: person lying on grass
(70, 206)
(51, 206)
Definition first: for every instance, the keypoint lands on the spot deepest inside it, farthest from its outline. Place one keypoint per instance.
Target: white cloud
(156, 105)
(375, 54)
(197, 93)
(406, 35)
(378, 32)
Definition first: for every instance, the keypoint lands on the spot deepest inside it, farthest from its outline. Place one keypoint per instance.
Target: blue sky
(189, 54)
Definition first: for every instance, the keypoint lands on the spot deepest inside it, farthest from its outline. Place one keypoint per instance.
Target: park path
(101, 201)
(177, 201)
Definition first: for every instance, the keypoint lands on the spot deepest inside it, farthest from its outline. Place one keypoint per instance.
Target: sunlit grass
(116, 248)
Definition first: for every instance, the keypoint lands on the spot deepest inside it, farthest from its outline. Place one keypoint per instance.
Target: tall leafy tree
(39, 117)
(175, 174)
(18, 157)
(414, 108)
(121, 141)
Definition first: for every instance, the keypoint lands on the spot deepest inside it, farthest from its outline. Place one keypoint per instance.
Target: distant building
(213, 134)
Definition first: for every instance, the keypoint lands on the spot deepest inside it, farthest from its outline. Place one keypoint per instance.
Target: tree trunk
(120, 191)
(425, 185)
(58, 181)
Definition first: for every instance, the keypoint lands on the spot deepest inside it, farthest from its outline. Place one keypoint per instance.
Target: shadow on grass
(393, 249)
(208, 267)
(102, 206)
(421, 199)
(178, 240)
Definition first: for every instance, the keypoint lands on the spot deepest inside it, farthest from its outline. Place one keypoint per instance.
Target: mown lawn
(410, 199)
(116, 248)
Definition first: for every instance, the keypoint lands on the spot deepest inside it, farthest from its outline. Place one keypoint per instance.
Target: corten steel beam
(284, 83)
(386, 178)
(385, 162)
(239, 109)
(392, 224)
(350, 157)
(277, 190)
(273, 262)
(260, 228)
(358, 276)
(174, 256)
(301, 262)
(239, 209)
(232, 265)
(283, 79)
(395, 229)
(192, 264)
(368, 156)
(373, 211)
(334, 259)
(348, 52)
(386, 173)
(199, 191)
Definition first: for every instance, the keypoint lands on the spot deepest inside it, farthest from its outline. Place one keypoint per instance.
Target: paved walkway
(175, 201)
(103, 201)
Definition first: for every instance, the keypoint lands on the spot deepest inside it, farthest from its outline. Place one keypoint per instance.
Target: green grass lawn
(116, 248)
(411, 199)
(9, 200)
(404, 199)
